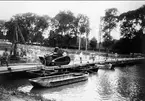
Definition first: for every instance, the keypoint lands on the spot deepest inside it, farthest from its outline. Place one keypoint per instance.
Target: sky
(93, 9)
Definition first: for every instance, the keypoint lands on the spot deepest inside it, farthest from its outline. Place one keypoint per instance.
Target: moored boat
(58, 80)
(105, 66)
(42, 73)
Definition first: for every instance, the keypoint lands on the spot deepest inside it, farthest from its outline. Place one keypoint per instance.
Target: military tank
(55, 59)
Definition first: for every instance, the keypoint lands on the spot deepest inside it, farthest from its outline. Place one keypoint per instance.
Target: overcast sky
(93, 9)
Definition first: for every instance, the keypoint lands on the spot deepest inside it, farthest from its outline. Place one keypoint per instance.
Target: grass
(34, 51)
(8, 95)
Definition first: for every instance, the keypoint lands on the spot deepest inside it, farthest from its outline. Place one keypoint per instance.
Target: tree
(66, 20)
(109, 23)
(82, 25)
(87, 34)
(93, 43)
(52, 39)
(10, 25)
(68, 41)
(2, 29)
(134, 45)
(38, 38)
(65, 27)
(132, 21)
(29, 24)
(132, 24)
(110, 20)
(108, 41)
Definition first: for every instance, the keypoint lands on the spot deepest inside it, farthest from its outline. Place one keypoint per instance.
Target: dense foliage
(63, 30)
(93, 43)
(66, 30)
(109, 23)
(132, 24)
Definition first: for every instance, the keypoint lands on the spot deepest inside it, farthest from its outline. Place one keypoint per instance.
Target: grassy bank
(34, 51)
(6, 95)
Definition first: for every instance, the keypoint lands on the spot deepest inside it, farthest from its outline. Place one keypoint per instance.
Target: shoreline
(6, 95)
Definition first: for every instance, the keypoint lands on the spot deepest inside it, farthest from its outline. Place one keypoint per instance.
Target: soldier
(5, 57)
(58, 52)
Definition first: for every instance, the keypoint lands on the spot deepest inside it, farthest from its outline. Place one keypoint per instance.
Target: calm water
(121, 84)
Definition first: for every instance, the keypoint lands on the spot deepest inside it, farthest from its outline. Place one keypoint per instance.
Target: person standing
(81, 56)
(116, 56)
(5, 57)
(58, 52)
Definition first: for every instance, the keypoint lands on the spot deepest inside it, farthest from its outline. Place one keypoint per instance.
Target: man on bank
(5, 57)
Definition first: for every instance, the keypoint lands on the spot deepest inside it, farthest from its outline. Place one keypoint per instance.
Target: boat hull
(105, 66)
(55, 83)
(66, 82)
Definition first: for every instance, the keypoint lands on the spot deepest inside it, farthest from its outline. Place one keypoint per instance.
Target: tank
(54, 60)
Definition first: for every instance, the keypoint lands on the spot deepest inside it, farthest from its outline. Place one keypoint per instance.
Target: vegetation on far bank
(64, 30)
(36, 50)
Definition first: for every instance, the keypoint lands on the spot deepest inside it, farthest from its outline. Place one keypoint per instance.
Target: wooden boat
(87, 69)
(42, 73)
(105, 66)
(58, 80)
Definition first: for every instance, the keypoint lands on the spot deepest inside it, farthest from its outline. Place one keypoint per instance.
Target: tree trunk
(99, 46)
(80, 42)
(86, 41)
(86, 44)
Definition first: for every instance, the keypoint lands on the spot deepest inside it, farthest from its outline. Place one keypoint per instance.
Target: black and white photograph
(72, 50)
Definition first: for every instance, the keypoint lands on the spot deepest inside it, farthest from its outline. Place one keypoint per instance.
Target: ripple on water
(122, 84)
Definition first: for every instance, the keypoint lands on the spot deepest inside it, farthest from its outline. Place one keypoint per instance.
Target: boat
(52, 60)
(42, 73)
(104, 66)
(58, 80)
(86, 69)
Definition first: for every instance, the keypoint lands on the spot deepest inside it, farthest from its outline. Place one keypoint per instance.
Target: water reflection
(58, 89)
(122, 84)
(98, 87)
(130, 84)
(11, 82)
(64, 93)
(104, 86)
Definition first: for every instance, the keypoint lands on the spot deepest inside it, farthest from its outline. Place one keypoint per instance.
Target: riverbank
(6, 95)
(34, 51)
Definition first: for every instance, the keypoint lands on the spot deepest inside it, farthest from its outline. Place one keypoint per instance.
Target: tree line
(132, 30)
(63, 30)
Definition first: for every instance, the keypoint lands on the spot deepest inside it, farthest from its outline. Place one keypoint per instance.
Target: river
(122, 84)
